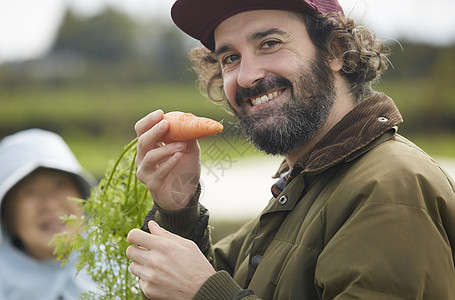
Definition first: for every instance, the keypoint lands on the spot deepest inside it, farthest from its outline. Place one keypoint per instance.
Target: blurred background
(89, 69)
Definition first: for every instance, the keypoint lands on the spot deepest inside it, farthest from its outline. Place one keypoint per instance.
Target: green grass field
(98, 121)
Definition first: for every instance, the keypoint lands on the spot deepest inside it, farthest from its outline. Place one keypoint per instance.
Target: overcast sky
(27, 27)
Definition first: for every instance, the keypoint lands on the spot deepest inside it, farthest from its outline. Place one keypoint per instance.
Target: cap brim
(199, 18)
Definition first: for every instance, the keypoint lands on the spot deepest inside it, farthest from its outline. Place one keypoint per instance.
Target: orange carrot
(186, 126)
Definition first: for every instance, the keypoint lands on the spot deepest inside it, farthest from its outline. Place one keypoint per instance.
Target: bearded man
(358, 211)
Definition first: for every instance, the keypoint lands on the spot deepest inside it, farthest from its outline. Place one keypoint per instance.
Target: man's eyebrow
(252, 37)
(262, 34)
(222, 50)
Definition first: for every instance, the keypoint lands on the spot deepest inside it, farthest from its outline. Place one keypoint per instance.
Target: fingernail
(156, 114)
(151, 222)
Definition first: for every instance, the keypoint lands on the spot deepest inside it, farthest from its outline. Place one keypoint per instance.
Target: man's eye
(230, 59)
(269, 44)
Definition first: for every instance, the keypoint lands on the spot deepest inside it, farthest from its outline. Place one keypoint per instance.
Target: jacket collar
(365, 123)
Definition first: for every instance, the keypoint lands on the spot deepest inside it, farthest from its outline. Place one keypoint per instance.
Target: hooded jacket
(22, 276)
(365, 214)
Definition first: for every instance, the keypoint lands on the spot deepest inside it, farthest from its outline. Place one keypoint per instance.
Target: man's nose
(250, 72)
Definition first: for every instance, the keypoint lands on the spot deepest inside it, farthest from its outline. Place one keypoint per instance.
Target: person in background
(357, 212)
(38, 173)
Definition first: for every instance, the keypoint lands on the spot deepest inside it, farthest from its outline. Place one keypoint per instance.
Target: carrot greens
(117, 205)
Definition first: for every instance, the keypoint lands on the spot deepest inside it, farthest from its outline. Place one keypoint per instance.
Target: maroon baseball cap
(199, 18)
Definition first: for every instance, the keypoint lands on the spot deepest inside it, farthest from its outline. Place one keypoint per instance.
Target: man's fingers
(148, 122)
(139, 270)
(159, 241)
(156, 230)
(137, 254)
(156, 238)
(150, 139)
(168, 241)
(140, 238)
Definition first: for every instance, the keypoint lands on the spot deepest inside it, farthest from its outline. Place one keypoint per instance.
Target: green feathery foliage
(117, 205)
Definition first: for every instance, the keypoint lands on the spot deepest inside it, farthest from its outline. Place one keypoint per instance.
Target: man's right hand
(171, 171)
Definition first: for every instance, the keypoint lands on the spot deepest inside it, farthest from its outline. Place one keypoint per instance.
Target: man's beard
(282, 130)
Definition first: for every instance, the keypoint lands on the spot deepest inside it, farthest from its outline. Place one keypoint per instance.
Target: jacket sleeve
(221, 286)
(225, 257)
(190, 222)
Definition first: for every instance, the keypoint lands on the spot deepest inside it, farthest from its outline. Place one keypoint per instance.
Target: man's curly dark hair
(364, 56)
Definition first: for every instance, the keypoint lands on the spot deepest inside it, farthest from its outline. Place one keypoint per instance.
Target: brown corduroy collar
(366, 122)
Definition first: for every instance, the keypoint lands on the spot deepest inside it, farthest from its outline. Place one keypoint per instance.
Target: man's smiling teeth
(264, 98)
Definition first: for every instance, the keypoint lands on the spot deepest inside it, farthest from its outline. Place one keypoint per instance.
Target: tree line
(108, 47)
(113, 48)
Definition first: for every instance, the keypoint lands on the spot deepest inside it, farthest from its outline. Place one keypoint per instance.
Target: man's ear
(336, 64)
(336, 61)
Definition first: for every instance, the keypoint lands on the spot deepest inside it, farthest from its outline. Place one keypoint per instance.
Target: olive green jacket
(365, 215)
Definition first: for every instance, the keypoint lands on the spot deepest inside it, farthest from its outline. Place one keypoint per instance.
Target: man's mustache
(263, 86)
